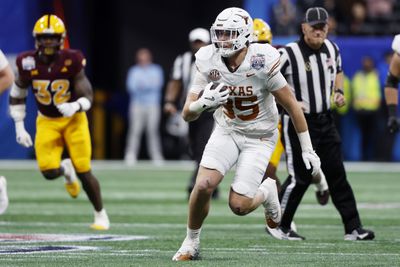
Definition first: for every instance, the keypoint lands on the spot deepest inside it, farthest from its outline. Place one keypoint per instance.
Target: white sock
(193, 235)
(260, 196)
(67, 174)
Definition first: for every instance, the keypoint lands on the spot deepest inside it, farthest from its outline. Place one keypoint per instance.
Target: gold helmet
(49, 27)
(261, 32)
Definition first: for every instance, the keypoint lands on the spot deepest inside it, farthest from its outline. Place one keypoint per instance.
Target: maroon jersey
(51, 83)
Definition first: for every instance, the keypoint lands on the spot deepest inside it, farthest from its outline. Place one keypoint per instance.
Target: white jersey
(3, 61)
(251, 108)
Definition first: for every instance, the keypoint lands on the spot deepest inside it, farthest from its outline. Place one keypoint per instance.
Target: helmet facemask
(49, 44)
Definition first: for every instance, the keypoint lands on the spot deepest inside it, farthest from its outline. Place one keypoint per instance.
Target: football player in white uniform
(6, 80)
(246, 123)
(391, 87)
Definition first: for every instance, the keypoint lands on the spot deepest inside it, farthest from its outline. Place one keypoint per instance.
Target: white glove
(214, 97)
(211, 98)
(310, 158)
(68, 109)
(23, 137)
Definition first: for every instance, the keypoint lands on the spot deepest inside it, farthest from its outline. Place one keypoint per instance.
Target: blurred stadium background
(109, 35)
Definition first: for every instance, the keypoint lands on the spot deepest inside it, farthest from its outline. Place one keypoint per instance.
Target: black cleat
(360, 234)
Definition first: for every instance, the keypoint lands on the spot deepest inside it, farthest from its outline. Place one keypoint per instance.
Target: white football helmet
(231, 31)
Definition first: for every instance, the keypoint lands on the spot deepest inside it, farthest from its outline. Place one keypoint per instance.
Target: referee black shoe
(284, 234)
(359, 234)
(322, 197)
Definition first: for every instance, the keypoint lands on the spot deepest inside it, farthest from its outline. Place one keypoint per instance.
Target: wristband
(84, 103)
(197, 107)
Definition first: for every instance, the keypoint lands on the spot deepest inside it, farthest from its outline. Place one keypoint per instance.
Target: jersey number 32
(51, 92)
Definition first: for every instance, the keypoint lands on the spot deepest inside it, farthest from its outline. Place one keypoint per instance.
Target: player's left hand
(310, 158)
(68, 109)
(339, 99)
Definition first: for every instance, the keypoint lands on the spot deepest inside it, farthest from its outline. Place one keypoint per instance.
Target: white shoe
(278, 233)
(3, 195)
(101, 221)
(189, 251)
(273, 212)
(71, 181)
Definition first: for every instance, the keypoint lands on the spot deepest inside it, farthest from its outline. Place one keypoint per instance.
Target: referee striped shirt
(184, 70)
(311, 73)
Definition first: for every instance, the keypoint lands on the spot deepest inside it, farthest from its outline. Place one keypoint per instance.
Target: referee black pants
(327, 144)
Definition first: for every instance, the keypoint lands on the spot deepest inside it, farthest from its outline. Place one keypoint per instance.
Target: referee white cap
(199, 34)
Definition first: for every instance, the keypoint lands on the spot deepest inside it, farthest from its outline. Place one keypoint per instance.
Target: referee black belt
(318, 116)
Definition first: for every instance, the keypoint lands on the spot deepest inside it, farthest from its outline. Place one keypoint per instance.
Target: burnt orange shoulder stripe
(274, 66)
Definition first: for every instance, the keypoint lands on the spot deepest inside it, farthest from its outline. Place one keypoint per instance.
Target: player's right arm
(391, 87)
(17, 99)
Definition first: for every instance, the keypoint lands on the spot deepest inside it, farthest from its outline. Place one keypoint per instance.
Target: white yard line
(172, 225)
(186, 165)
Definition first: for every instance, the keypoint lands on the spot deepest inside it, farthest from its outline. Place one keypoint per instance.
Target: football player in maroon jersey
(63, 94)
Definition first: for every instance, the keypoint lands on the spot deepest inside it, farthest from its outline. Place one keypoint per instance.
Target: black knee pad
(51, 174)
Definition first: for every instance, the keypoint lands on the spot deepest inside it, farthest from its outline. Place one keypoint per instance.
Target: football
(213, 86)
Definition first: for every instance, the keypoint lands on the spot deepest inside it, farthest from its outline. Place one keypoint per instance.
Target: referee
(313, 68)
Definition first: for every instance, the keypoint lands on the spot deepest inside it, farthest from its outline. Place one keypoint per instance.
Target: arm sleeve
(338, 59)
(23, 75)
(79, 61)
(199, 82)
(273, 63)
(276, 82)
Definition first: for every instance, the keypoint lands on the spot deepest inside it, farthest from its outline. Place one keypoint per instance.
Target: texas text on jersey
(51, 83)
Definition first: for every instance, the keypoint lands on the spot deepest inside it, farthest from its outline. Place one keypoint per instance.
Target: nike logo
(362, 236)
(209, 98)
(249, 74)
